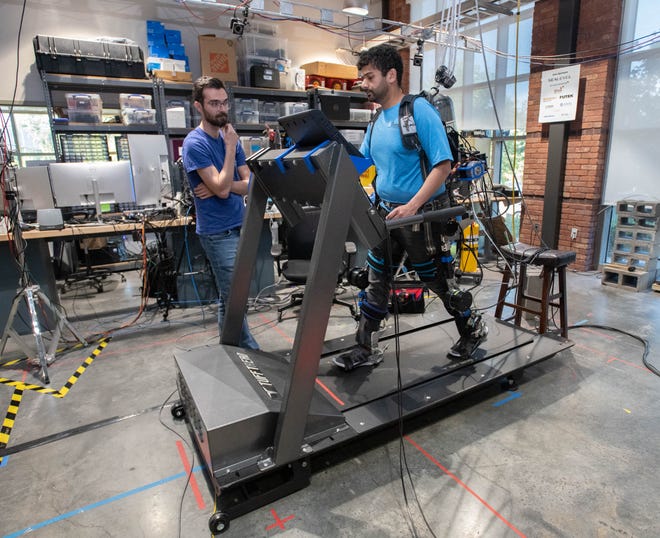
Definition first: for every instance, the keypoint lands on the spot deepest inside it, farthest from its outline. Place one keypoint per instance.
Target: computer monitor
(34, 188)
(150, 163)
(92, 184)
(312, 127)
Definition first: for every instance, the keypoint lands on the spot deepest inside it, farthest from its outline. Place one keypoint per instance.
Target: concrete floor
(572, 453)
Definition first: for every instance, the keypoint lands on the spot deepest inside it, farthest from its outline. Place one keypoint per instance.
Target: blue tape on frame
(308, 158)
(278, 160)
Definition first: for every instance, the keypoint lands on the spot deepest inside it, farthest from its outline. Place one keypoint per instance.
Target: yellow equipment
(469, 249)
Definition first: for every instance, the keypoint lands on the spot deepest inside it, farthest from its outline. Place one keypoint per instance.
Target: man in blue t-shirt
(219, 178)
(402, 191)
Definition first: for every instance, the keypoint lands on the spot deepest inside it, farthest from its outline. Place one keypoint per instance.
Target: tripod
(32, 294)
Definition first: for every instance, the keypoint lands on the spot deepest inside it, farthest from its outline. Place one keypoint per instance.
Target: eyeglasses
(218, 104)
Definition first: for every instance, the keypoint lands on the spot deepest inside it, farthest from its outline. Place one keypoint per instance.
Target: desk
(40, 265)
(38, 260)
(79, 231)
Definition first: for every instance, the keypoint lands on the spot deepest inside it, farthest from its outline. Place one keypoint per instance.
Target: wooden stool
(553, 262)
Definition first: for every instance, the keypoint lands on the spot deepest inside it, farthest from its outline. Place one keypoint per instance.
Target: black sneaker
(465, 347)
(356, 357)
(457, 350)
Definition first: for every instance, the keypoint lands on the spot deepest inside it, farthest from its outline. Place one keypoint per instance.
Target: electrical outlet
(574, 232)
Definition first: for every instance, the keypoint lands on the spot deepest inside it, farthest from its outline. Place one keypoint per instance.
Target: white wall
(89, 19)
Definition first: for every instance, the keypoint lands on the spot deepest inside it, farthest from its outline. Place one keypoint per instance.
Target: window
(631, 171)
(475, 101)
(30, 135)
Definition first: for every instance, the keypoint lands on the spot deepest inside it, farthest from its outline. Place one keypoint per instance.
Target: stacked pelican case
(97, 58)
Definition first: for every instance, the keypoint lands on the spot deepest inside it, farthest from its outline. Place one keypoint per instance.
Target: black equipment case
(79, 57)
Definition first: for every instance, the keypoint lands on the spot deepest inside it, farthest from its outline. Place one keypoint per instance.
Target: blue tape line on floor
(99, 503)
(4, 461)
(512, 396)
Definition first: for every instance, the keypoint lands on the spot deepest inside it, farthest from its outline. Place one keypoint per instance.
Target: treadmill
(257, 418)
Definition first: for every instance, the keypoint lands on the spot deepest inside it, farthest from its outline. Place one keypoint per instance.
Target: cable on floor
(192, 464)
(403, 462)
(643, 341)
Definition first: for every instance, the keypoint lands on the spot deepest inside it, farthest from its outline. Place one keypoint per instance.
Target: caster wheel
(478, 279)
(218, 523)
(178, 411)
(510, 382)
(458, 279)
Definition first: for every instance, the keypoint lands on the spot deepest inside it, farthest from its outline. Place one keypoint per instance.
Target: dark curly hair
(383, 57)
(205, 82)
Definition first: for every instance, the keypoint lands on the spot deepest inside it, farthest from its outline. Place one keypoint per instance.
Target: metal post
(567, 30)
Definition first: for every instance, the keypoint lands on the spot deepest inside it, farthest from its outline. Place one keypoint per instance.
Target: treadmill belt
(422, 357)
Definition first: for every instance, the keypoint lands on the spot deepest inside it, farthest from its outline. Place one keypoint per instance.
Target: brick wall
(598, 28)
(399, 10)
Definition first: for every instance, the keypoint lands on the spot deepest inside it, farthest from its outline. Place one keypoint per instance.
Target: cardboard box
(174, 76)
(329, 70)
(218, 58)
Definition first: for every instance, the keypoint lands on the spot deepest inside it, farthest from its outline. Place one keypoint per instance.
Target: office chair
(299, 245)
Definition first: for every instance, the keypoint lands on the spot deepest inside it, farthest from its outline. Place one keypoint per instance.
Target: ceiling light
(356, 7)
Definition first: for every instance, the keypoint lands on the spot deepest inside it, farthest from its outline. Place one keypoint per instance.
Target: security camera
(237, 26)
(418, 58)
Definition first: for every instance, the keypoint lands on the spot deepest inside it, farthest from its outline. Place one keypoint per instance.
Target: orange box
(329, 70)
(173, 76)
(218, 58)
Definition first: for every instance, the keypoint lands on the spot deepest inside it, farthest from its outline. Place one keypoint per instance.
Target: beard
(219, 119)
(376, 95)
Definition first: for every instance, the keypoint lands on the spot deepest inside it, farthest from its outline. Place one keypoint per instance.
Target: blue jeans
(221, 250)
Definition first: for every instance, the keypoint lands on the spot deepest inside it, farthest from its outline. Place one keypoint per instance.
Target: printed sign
(559, 94)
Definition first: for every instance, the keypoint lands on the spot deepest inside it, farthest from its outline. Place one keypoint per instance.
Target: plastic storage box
(134, 100)
(77, 115)
(269, 111)
(248, 116)
(138, 116)
(291, 107)
(84, 101)
(246, 110)
(360, 114)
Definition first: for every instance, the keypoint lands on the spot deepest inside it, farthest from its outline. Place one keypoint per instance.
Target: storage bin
(84, 116)
(245, 105)
(289, 108)
(181, 103)
(176, 118)
(134, 100)
(269, 111)
(360, 114)
(84, 101)
(138, 116)
(248, 116)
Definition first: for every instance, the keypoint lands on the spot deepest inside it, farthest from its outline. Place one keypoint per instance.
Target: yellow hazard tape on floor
(20, 387)
(14, 362)
(61, 393)
(10, 418)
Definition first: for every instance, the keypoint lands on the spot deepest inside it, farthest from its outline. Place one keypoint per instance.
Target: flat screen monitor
(91, 184)
(150, 163)
(312, 127)
(34, 188)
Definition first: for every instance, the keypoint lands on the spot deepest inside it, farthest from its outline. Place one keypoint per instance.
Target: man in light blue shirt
(402, 191)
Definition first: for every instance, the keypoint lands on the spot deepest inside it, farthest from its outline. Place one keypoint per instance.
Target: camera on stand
(445, 77)
(418, 58)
